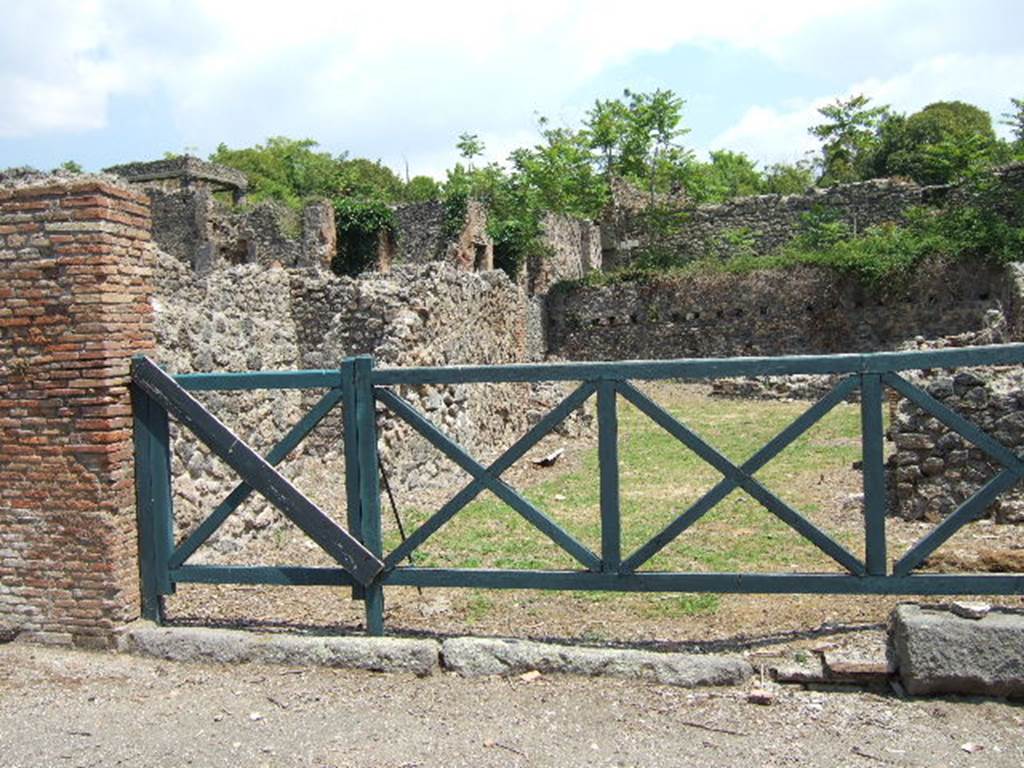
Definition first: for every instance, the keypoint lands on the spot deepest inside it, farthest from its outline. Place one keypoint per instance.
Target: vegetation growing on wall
(638, 137)
(360, 224)
(984, 224)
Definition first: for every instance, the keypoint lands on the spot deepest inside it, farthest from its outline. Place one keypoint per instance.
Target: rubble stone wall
(932, 470)
(249, 317)
(206, 233)
(771, 312)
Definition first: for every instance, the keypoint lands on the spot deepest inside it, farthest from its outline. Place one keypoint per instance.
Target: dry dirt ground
(77, 708)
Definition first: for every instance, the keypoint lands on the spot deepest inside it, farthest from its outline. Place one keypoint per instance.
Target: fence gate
(359, 388)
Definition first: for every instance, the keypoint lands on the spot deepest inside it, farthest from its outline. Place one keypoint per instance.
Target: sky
(102, 82)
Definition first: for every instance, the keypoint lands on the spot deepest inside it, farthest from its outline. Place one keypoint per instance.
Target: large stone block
(474, 656)
(937, 651)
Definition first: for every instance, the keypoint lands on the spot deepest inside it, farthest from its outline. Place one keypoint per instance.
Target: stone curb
(472, 657)
(377, 654)
(468, 656)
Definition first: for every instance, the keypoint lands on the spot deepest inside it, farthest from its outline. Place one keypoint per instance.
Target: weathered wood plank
(153, 501)
(707, 368)
(608, 465)
(756, 583)
(369, 485)
(196, 382)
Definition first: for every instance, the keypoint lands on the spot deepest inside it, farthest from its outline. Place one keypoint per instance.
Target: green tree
(368, 179)
(469, 146)
(636, 138)
(420, 189)
(939, 144)
(605, 131)
(732, 174)
(849, 136)
(789, 178)
(284, 169)
(291, 171)
(1015, 119)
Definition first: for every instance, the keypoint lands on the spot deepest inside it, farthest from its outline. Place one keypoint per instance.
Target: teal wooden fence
(361, 562)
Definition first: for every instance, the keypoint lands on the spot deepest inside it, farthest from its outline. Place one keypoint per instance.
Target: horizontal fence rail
(359, 390)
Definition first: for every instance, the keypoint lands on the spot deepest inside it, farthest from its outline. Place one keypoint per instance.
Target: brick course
(74, 307)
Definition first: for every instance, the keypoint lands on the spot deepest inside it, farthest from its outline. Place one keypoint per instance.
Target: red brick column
(74, 307)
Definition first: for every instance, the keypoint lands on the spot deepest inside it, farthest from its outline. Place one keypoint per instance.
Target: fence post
(874, 474)
(608, 459)
(351, 447)
(153, 501)
(369, 483)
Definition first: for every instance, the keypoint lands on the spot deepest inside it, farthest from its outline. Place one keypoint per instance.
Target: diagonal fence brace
(498, 487)
(765, 497)
(256, 472)
(728, 484)
(243, 490)
(473, 488)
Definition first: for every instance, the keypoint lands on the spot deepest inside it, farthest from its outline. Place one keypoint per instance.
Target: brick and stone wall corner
(74, 307)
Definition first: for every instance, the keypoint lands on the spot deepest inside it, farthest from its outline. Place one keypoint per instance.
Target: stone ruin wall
(194, 226)
(774, 220)
(932, 470)
(797, 311)
(249, 317)
(770, 221)
(421, 236)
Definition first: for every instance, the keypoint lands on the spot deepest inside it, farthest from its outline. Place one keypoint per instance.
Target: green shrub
(359, 224)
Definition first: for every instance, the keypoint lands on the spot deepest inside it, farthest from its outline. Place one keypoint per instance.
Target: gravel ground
(74, 708)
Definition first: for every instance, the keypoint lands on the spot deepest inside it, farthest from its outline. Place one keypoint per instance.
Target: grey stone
(378, 654)
(938, 652)
(472, 657)
(970, 610)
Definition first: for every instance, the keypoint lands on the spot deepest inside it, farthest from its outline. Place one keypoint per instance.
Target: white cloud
(402, 79)
(779, 134)
(325, 61)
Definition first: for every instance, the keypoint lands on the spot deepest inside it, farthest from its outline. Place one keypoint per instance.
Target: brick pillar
(74, 307)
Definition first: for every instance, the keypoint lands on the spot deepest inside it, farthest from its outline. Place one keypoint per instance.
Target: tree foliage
(292, 171)
(939, 144)
(849, 135)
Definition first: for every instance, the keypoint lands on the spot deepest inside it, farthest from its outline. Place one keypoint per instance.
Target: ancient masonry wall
(760, 224)
(206, 233)
(774, 312)
(250, 318)
(73, 310)
(421, 236)
(773, 220)
(932, 470)
(765, 222)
